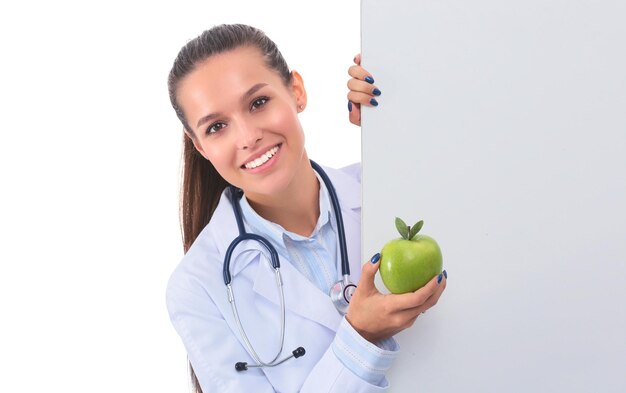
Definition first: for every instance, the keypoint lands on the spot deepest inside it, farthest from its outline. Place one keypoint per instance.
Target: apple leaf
(415, 228)
(402, 228)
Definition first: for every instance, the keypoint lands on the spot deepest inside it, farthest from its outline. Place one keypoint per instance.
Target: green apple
(409, 262)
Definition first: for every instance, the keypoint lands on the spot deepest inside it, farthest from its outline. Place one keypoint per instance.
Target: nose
(249, 135)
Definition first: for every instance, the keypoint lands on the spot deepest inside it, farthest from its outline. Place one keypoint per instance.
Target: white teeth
(263, 159)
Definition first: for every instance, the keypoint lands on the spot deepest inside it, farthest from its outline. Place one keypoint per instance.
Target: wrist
(362, 332)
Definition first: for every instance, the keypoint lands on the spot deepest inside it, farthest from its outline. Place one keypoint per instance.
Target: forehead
(226, 71)
(222, 79)
(239, 60)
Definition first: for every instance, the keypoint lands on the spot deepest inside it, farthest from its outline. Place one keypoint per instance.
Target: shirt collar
(276, 233)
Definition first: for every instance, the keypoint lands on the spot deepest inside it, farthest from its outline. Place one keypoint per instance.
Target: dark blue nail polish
(349, 106)
(375, 258)
(445, 274)
(376, 92)
(439, 277)
(374, 102)
(369, 79)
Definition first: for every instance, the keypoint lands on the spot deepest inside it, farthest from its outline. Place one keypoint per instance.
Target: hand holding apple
(376, 316)
(409, 262)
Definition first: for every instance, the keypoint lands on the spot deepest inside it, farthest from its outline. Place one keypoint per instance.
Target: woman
(239, 103)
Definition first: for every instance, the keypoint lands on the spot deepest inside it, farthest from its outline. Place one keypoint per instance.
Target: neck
(296, 208)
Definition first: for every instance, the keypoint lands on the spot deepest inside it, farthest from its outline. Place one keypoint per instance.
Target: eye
(215, 127)
(259, 102)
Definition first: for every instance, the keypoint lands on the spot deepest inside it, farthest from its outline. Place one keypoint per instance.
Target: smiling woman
(246, 116)
(245, 154)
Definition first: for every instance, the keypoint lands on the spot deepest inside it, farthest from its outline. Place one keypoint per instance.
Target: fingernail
(439, 277)
(374, 102)
(349, 106)
(376, 92)
(369, 79)
(375, 258)
(445, 274)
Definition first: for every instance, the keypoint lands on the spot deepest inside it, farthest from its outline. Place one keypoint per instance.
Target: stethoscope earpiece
(296, 353)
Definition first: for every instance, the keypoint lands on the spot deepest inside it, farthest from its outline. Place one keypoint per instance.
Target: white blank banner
(503, 126)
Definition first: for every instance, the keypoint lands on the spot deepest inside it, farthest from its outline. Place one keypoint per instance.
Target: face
(245, 120)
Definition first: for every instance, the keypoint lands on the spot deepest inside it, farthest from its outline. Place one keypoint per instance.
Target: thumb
(368, 272)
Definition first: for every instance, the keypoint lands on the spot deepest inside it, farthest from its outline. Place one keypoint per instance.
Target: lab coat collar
(347, 187)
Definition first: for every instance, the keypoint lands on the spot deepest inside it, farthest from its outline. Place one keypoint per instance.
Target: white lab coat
(199, 309)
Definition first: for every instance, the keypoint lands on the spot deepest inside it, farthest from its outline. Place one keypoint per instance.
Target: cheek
(284, 120)
(216, 152)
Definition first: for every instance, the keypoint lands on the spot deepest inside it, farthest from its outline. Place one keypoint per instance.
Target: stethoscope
(340, 293)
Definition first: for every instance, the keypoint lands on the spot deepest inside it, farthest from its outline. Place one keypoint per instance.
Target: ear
(298, 90)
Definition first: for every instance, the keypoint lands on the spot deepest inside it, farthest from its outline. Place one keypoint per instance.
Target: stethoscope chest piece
(341, 294)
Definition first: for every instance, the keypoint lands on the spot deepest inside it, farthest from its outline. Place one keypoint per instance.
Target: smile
(265, 157)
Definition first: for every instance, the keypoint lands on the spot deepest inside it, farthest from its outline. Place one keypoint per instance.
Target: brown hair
(202, 185)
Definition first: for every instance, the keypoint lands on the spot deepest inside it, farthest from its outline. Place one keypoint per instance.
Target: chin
(275, 184)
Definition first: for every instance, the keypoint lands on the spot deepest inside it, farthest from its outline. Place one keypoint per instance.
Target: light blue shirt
(315, 257)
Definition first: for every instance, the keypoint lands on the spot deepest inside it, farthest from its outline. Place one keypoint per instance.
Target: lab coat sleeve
(332, 376)
(368, 361)
(333, 373)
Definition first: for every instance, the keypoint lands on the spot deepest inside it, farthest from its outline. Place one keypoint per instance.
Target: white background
(89, 172)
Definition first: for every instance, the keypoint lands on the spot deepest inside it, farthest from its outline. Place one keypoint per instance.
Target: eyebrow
(247, 94)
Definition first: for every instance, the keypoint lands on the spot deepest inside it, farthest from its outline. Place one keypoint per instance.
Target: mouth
(262, 159)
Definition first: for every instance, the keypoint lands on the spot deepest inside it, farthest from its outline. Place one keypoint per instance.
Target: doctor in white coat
(239, 105)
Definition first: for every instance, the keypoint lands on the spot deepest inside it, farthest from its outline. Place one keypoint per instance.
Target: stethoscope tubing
(338, 299)
(343, 249)
(236, 193)
(255, 356)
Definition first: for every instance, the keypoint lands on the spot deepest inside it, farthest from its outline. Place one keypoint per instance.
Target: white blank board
(503, 125)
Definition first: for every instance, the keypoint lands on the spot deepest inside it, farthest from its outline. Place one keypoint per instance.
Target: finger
(411, 314)
(368, 272)
(363, 87)
(357, 59)
(362, 98)
(360, 73)
(409, 317)
(420, 296)
(406, 318)
(432, 301)
(428, 304)
(355, 114)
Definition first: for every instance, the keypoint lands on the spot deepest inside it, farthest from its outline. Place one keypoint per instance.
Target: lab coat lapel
(301, 296)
